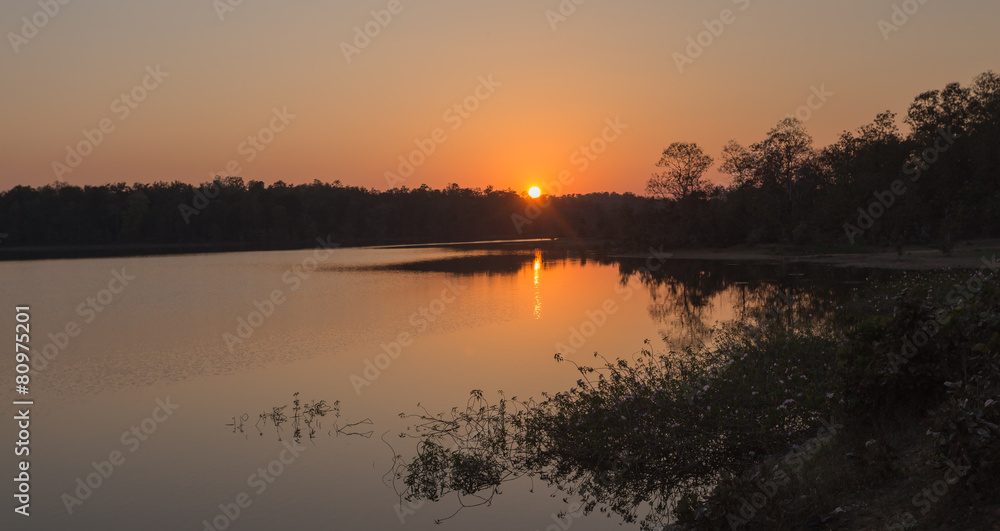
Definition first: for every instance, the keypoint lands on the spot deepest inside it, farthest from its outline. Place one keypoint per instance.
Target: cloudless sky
(353, 120)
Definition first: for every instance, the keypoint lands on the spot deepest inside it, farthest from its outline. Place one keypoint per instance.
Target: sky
(384, 93)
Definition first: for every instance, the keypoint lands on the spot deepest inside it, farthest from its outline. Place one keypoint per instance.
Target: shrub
(636, 436)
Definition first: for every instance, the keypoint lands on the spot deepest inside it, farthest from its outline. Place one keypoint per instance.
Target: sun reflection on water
(538, 295)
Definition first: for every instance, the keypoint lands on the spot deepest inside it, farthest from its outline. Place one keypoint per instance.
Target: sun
(535, 192)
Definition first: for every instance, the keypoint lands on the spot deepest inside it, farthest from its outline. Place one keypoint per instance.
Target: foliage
(688, 435)
(905, 358)
(939, 350)
(683, 176)
(230, 212)
(966, 427)
(634, 438)
(785, 191)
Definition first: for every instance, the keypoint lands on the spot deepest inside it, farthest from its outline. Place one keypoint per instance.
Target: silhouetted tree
(782, 190)
(684, 166)
(738, 162)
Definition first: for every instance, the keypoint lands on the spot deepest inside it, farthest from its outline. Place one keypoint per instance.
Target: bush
(688, 435)
(940, 350)
(637, 436)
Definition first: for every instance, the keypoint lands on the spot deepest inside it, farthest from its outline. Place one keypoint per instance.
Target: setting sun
(535, 192)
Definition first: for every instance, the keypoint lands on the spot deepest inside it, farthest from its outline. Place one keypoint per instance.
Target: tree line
(873, 186)
(937, 183)
(230, 211)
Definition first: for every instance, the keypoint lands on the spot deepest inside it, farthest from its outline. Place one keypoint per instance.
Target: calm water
(491, 320)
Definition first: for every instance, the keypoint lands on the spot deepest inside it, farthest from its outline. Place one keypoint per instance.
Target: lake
(156, 369)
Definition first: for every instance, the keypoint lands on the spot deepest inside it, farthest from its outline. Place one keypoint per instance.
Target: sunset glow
(621, 246)
(450, 91)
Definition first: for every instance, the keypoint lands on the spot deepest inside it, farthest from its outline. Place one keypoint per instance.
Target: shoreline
(973, 254)
(965, 255)
(25, 254)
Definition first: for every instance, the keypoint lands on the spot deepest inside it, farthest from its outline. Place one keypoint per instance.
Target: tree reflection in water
(637, 437)
(685, 294)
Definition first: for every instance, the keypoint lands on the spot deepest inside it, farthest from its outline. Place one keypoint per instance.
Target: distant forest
(231, 211)
(876, 186)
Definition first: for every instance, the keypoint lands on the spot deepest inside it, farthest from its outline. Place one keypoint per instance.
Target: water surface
(470, 319)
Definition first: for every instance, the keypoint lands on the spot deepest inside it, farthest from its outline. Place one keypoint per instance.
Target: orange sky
(547, 84)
